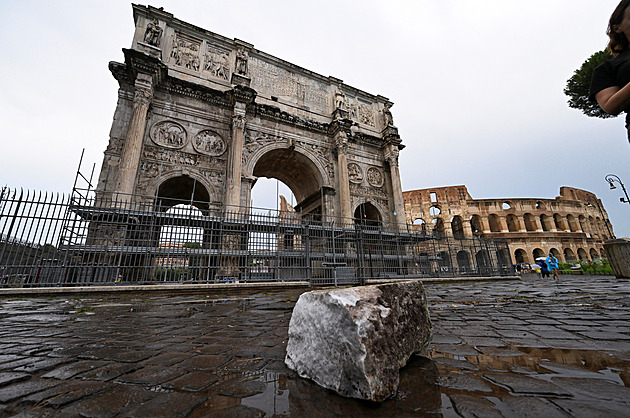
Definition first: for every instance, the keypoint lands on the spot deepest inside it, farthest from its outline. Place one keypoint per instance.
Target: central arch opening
(295, 171)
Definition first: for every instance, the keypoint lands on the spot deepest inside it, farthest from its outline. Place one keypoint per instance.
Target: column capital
(391, 155)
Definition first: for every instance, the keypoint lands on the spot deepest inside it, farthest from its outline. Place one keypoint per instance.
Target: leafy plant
(579, 85)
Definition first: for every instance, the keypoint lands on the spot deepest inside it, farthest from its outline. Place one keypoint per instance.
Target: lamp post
(611, 179)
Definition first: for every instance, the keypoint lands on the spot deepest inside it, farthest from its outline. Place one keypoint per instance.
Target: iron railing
(92, 239)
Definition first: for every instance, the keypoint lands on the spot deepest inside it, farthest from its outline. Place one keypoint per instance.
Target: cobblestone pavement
(518, 348)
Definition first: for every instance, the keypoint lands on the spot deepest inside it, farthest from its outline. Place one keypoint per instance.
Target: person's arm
(613, 99)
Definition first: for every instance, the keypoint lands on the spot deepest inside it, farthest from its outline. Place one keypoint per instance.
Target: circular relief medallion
(168, 134)
(209, 143)
(355, 174)
(375, 177)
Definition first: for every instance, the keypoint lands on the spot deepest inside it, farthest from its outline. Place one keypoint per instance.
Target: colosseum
(573, 226)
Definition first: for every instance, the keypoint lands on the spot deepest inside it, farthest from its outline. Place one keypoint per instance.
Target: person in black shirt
(610, 85)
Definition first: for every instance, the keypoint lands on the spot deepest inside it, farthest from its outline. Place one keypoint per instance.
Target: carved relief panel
(355, 174)
(209, 143)
(217, 62)
(168, 134)
(185, 52)
(375, 177)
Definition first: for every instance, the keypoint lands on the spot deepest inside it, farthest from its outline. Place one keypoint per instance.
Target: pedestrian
(544, 269)
(610, 84)
(552, 263)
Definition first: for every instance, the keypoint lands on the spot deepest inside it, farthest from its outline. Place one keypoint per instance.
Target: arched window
(512, 223)
(593, 253)
(530, 222)
(582, 255)
(457, 226)
(463, 261)
(495, 225)
(520, 256)
(475, 225)
(569, 255)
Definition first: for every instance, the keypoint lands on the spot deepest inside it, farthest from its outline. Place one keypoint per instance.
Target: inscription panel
(277, 81)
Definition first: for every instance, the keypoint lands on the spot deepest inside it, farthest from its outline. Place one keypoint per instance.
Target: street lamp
(611, 179)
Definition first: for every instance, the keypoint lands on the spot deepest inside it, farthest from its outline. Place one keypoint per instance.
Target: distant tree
(579, 84)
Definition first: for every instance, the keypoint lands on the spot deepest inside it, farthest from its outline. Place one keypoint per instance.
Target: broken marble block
(355, 340)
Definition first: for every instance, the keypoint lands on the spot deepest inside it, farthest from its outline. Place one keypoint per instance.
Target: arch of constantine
(573, 226)
(200, 117)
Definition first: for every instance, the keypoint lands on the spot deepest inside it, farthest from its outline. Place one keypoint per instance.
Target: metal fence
(86, 239)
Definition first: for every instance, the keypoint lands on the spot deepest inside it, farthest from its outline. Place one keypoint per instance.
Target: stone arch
(463, 261)
(503, 258)
(457, 227)
(530, 222)
(558, 222)
(546, 222)
(593, 253)
(420, 225)
(475, 225)
(368, 214)
(484, 264)
(537, 253)
(583, 223)
(495, 224)
(582, 255)
(520, 256)
(301, 171)
(556, 253)
(178, 187)
(569, 255)
(438, 226)
(512, 223)
(573, 224)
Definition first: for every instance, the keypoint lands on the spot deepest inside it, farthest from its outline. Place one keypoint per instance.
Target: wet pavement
(511, 348)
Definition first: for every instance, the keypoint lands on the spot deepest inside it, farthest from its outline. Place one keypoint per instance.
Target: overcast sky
(477, 85)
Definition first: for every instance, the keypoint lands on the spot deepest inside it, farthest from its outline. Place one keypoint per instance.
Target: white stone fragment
(354, 341)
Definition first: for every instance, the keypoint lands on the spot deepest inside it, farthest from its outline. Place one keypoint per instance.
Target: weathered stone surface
(354, 341)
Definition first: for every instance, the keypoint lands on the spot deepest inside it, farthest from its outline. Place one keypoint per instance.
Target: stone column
(503, 224)
(399, 202)
(341, 141)
(235, 161)
(467, 229)
(539, 227)
(130, 156)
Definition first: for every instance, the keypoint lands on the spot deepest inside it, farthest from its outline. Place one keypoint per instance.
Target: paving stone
(605, 335)
(168, 405)
(69, 370)
(526, 406)
(22, 389)
(110, 371)
(192, 381)
(166, 359)
(592, 408)
(456, 364)
(464, 382)
(63, 395)
(204, 362)
(117, 401)
(570, 371)
(483, 341)
(7, 378)
(515, 333)
(151, 375)
(439, 338)
(499, 351)
(468, 406)
(458, 350)
(42, 365)
(594, 388)
(525, 385)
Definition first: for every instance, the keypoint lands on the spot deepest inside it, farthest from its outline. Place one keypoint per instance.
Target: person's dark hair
(618, 41)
